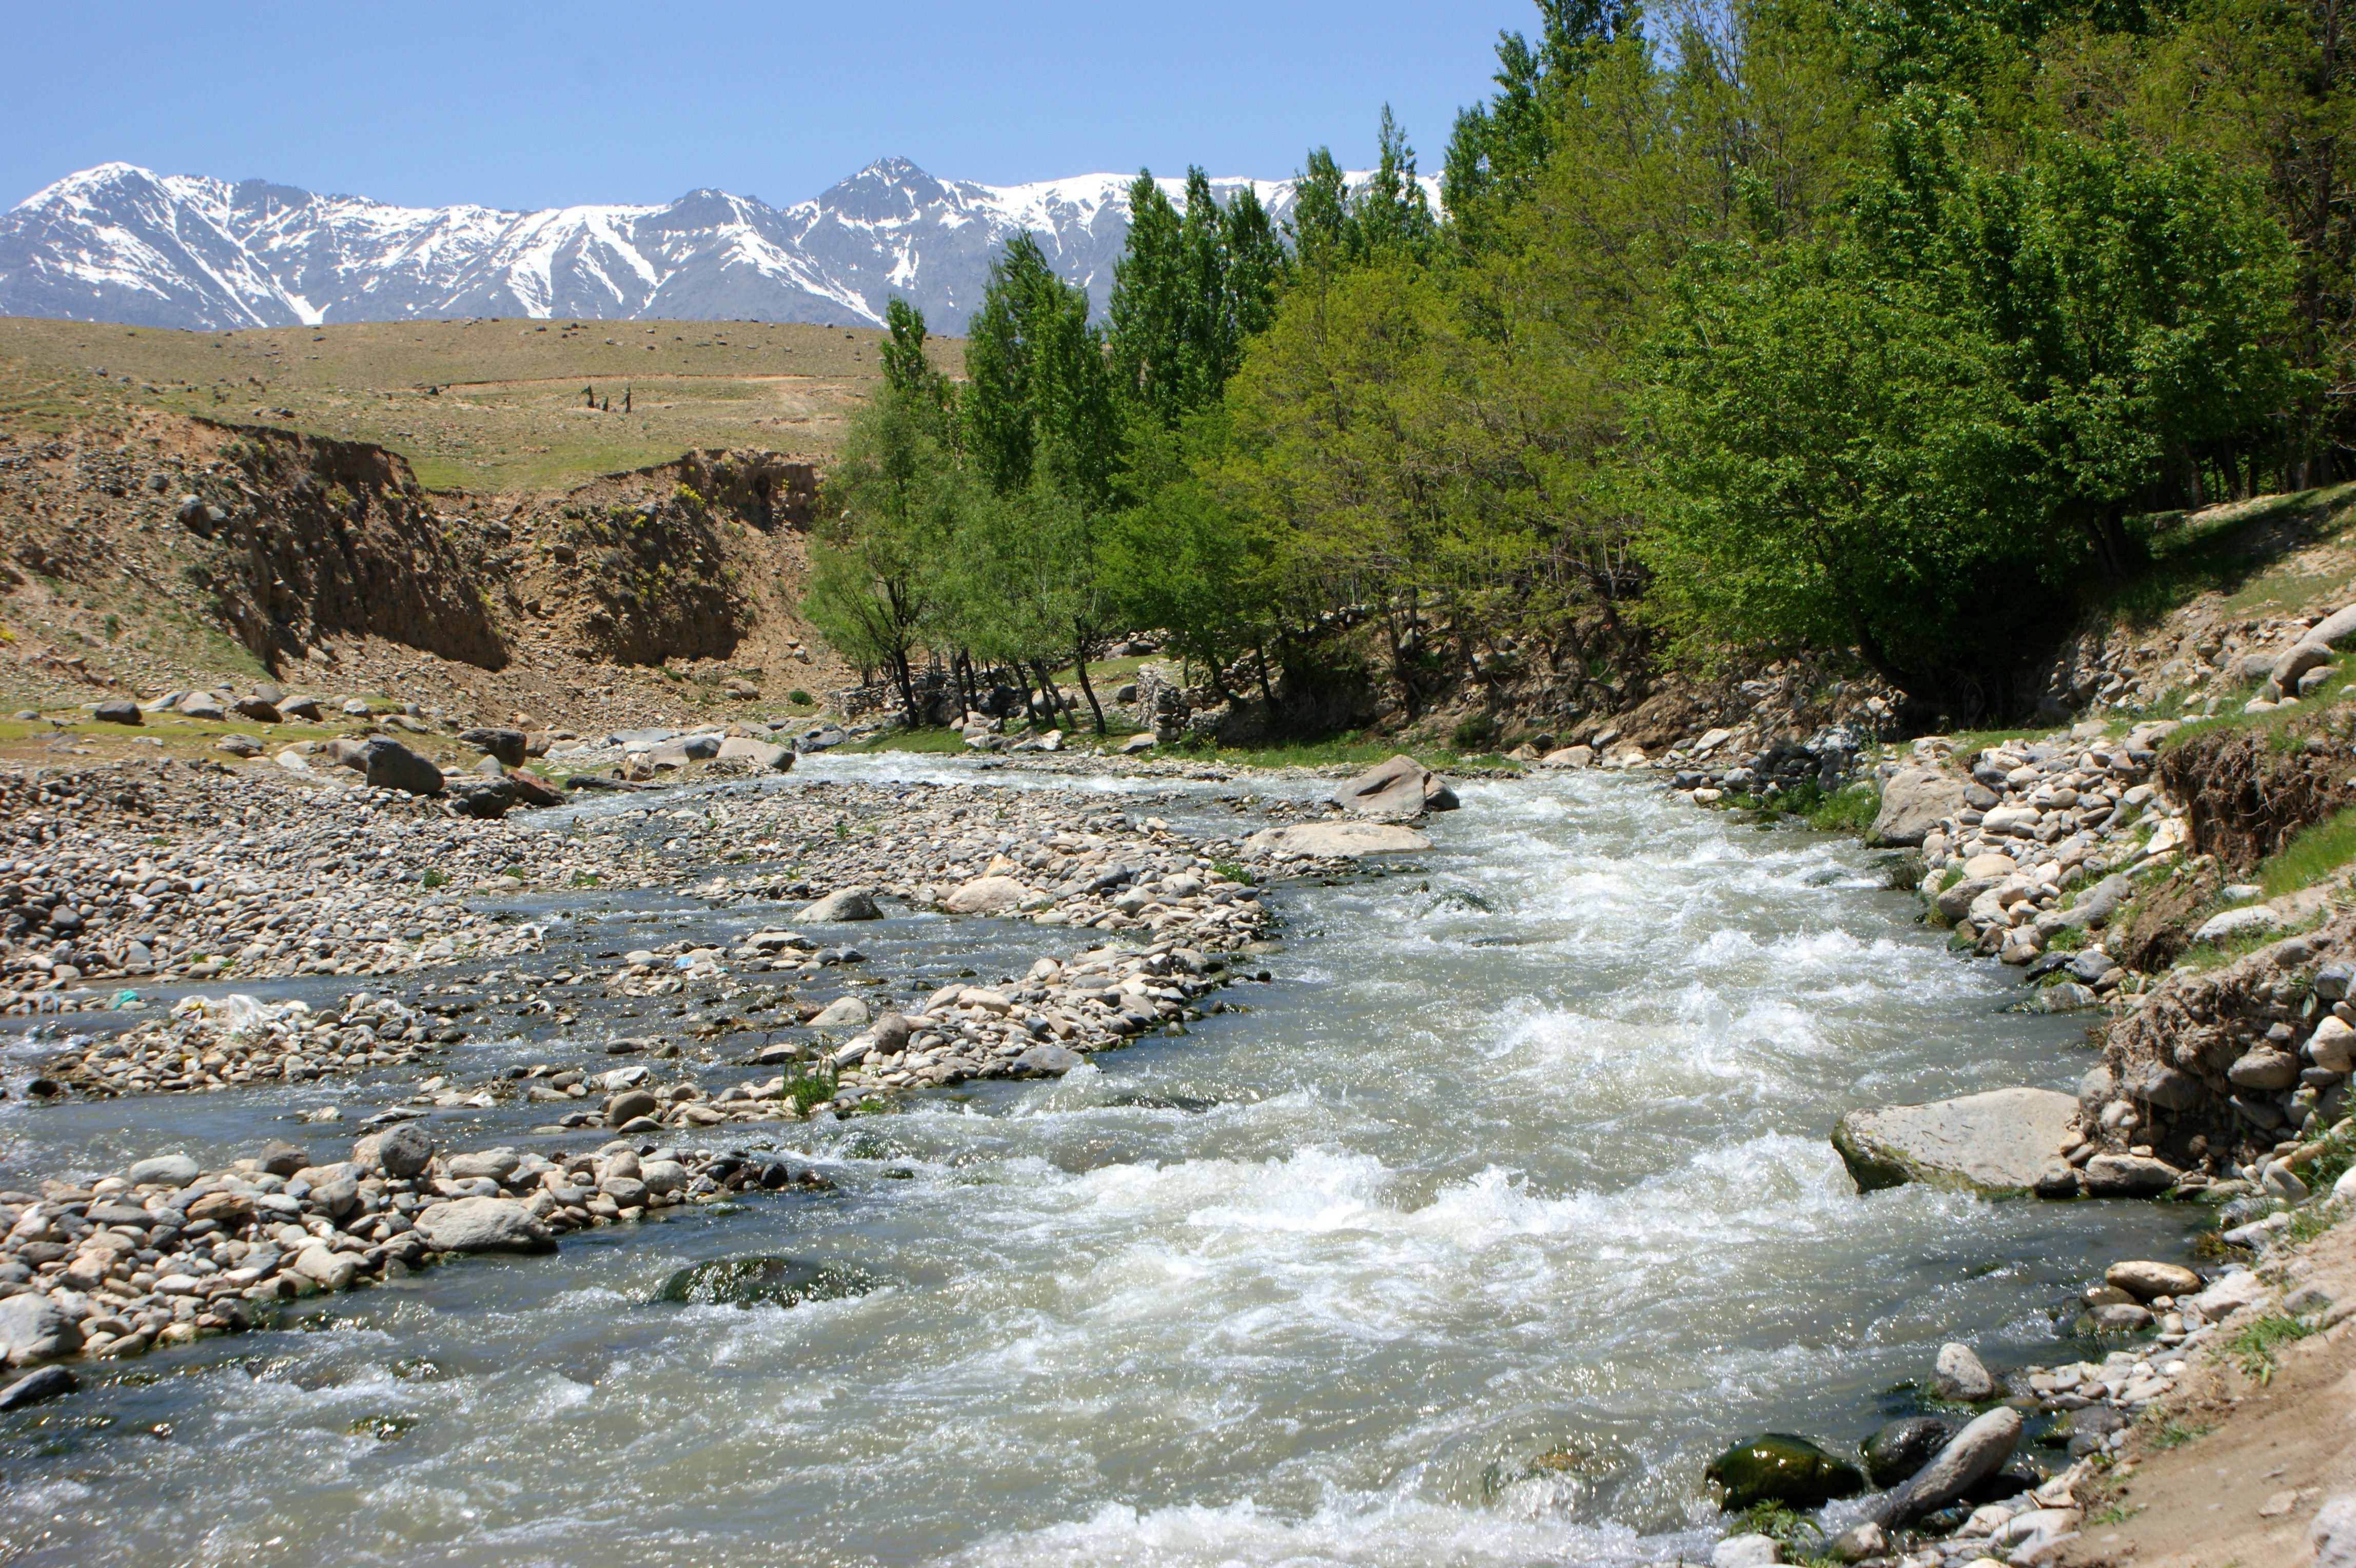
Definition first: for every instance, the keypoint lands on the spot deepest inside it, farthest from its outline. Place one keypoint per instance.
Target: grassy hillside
(486, 405)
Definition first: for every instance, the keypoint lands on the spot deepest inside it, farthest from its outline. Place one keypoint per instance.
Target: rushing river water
(1506, 1206)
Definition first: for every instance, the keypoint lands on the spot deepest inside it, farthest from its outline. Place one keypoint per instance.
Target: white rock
(843, 1012)
(2236, 1290)
(1346, 840)
(2253, 917)
(1960, 1375)
(483, 1225)
(1745, 1552)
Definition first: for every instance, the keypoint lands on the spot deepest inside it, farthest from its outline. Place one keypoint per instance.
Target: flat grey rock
(1993, 1143)
(481, 1225)
(1346, 840)
(1913, 802)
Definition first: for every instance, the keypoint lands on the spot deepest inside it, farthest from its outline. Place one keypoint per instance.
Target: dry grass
(492, 404)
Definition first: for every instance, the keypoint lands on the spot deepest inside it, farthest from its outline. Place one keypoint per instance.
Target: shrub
(801, 698)
(1475, 732)
(433, 877)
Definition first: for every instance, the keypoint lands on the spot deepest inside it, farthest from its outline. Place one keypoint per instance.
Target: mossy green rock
(764, 1282)
(1777, 1468)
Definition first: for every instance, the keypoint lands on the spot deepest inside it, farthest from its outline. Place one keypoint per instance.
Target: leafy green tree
(1187, 292)
(892, 508)
(1181, 558)
(1039, 390)
(1499, 150)
(907, 369)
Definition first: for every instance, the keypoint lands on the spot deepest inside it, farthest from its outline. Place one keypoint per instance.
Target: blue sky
(527, 105)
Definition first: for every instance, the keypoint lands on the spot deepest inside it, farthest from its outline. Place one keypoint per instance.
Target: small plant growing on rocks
(2257, 1346)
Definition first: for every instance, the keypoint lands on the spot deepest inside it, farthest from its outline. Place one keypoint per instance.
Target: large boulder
(1395, 789)
(1343, 839)
(402, 1152)
(1999, 1142)
(1777, 1468)
(844, 904)
(764, 1282)
(482, 1225)
(2128, 1175)
(164, 1170)
(1971, 1456)
(507, 745)
(1900, 1448)
(1913, 802)
(389, 765)
(986, 895)
(121, 711)
(35, 1328)
(2313, 648)
(759, 753)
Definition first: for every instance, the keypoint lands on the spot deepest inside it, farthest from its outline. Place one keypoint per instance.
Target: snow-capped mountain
(122, 244)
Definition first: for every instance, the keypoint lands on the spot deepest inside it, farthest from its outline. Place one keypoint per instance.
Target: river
(1504, 1206)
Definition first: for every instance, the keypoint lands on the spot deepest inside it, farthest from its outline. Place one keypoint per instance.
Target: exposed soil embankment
(170, 553)
(2247, 792)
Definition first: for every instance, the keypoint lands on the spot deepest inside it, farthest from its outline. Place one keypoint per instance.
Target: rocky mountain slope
(122, 244)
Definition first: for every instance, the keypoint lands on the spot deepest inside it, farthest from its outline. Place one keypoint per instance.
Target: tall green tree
(891, 509)
(1498, 150)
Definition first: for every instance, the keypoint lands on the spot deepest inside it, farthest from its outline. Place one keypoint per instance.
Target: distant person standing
(626, 400)
(590, 393)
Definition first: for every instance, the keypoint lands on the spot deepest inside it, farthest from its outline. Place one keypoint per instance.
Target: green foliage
(805, 1090)
(2313, 853)
(1475, 732)
(1186, 293)
(2174, 1434)
(432, 876)
(801, 698)
(2257, 1346)
(1793, 1529)
(1848, 811)
(1233, 870)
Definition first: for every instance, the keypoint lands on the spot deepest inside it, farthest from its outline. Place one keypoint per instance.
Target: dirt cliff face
(2248, 791)
(310, 537)
(322, 564)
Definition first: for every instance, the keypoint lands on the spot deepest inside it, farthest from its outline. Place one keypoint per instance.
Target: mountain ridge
(120, 242)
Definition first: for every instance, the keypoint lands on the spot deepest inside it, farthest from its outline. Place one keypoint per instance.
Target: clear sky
(519, 103)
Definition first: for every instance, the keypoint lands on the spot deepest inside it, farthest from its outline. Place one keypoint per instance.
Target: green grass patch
(2313, 853)
(1790, 1529)
(433, 877)
(2256, 1348)
(1851, 811)
(2236, 550)
(2177, 1434)
(803, 1090)
(947, 740)
(1106, 673)
(1233, 870)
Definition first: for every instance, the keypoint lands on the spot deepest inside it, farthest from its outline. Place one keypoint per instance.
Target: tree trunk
(1055, 704)
(1080, 663)
(1267, 693)
(908, 688)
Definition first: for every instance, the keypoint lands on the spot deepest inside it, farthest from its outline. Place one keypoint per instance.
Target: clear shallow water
(1523, 1156)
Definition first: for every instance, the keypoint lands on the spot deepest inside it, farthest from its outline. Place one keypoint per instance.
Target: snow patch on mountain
(119, 242)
